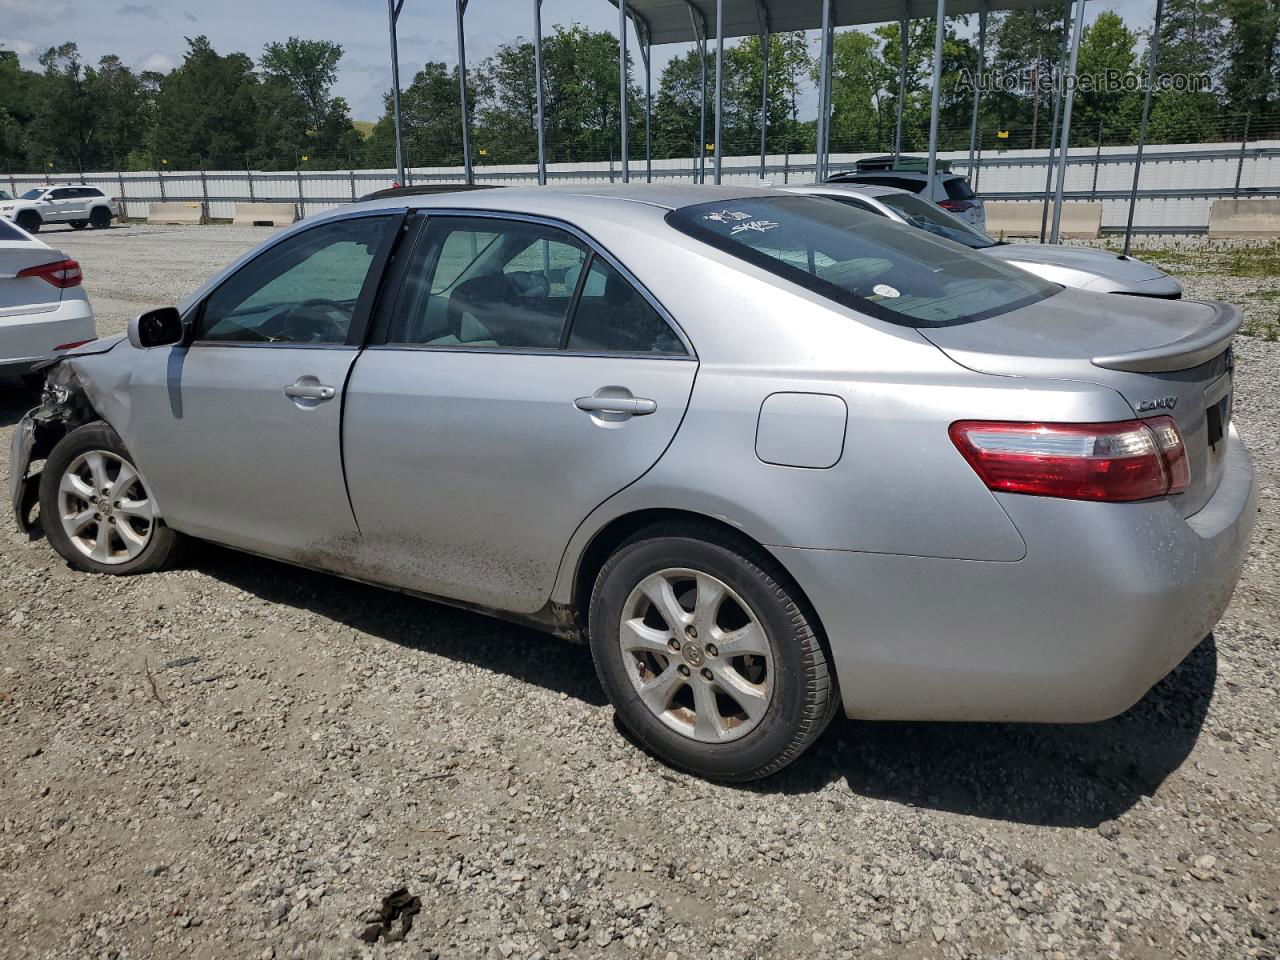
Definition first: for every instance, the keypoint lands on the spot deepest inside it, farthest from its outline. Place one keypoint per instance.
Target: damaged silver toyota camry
(766, 454)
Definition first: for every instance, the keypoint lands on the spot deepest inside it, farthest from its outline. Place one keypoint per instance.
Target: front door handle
(309, 391)
(626, 406)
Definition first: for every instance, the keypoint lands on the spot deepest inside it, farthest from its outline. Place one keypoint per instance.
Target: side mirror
(156, 328)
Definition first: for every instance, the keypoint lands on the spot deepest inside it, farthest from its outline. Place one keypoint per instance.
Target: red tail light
(63, 273)
(1126, 460)
(75, 343)
(956, 206)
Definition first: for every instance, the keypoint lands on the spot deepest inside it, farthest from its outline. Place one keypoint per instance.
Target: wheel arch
(611, 535)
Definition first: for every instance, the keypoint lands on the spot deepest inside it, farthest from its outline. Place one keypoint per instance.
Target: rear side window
(890, 271)
(958, 188)
(9, 232)
(613, 317)
(88, 192)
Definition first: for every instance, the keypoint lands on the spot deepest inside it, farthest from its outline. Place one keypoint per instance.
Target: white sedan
(1086, 268)
(43, 307)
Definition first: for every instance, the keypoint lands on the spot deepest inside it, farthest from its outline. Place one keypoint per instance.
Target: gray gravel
(240, 759)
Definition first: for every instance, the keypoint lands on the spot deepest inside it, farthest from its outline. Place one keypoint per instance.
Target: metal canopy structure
(658, 22)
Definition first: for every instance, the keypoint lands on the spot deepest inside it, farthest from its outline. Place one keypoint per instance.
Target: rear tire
(79, 224)
(99, 218)
(28, 220)
(96, 509)
(740, 686)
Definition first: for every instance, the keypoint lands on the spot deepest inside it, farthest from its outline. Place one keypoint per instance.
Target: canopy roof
(668, 21)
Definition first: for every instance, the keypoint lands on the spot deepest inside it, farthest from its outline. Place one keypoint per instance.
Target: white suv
(76, 204)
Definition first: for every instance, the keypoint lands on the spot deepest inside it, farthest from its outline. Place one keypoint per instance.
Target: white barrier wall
(1186, 179)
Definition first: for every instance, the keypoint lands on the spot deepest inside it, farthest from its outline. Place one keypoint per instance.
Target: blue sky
(150, 34)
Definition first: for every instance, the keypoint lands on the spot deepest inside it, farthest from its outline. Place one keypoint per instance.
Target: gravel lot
(241, 759)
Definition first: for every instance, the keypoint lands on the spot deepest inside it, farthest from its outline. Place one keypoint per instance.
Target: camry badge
(1159, 403)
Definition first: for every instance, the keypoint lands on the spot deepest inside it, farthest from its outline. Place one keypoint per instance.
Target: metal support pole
(204, 191)
(977, 85)
(824, 95)
(622, 87)
(762, 20)
(647, 51)
(939, 32)
(351, 177)
(393, 14)
(302, 206)
(1142, 126)
(719, 84)
(764, 99)
(699, 25)
(1244, 144)
(537, 74)
(248, 172)
(1056, 76)
(1097, 162)
(460, 6)
(903, 40)
(1063, 156)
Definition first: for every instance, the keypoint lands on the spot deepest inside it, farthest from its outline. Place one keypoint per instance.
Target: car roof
(853, 189)
(603, 201)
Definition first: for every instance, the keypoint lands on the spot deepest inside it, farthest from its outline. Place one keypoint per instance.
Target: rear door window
(887, 270)
(483, 282)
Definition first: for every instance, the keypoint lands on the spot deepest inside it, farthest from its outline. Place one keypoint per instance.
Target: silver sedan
(766, 454)
(1099, 271)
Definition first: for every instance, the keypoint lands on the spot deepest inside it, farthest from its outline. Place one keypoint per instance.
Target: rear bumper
(26, 339)
(1108, 599)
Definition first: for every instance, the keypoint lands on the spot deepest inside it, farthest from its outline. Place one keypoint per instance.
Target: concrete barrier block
(263, 214)
(174, 212)
(1257, 217)
(1080, 219)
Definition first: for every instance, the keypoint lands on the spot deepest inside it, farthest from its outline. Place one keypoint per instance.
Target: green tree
(430, 121)
(1107, 57)
(1025, 44)
(1191, 38)
(207, 109)
(17, 108)
(298, 116)
(955, 96)
(857, 75)
(1252, 38)
(61, 129)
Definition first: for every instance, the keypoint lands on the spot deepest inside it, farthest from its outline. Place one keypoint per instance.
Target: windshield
(931, 217)
(862, 260)
(33, 194)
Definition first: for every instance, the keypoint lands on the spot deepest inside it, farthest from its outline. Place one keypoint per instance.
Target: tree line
(222, 111)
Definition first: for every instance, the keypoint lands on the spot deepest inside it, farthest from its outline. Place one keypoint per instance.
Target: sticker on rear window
(726, 216)
(884, 290)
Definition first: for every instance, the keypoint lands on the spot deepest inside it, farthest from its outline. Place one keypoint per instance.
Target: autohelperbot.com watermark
(1105, 81)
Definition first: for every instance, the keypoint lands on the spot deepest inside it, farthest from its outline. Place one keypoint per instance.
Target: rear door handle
(309, 391)
(631, 406)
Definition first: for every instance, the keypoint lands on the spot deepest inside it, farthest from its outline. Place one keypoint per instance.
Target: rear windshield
(890, 271)
(958, 188)
(931, 217)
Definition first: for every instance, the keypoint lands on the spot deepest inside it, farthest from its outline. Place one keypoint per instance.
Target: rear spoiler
(1185, 352)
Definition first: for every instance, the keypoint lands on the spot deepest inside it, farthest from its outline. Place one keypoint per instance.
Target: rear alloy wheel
(79, 224)
(96, 509)
(100, 218)
(707, 653)
(28, 220)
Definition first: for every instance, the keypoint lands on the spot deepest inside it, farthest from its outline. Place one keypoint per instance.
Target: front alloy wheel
(96, 509)
(104, 508)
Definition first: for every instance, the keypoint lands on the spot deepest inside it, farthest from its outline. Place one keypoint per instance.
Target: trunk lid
(25, 295)
(1110, 265)
(1166, 358)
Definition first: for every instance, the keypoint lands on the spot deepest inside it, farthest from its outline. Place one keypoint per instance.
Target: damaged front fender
(64, 405)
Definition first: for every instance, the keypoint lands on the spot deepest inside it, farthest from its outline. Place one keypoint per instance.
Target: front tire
(708, 654)
(28, 220)
(96, 509)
